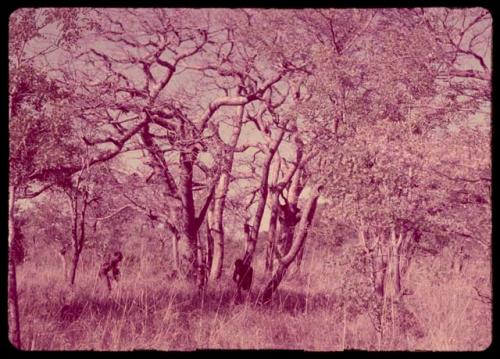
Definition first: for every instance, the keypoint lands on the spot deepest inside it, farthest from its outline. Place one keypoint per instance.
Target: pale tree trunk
(210, 240)
(298, 187)
(380, 267)
(299, 238)
(202, 264)
(64, 263)
(216, 225)
(13, 306)
(374, 252)
(395, 256)
(252, 235)
(272, 233)
(402, 252)
(393, 282)
(175, 250)
(300, 256)
(282, 225)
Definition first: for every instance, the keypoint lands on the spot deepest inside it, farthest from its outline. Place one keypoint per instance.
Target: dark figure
(109, 269)
(243, 275)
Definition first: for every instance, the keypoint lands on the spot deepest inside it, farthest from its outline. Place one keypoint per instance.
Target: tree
(28, 121)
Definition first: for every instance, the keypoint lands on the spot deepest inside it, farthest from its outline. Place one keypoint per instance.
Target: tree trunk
(210, 243)
(13, 306)
(274, 282)
(217, 226)
(217, 222)
(289, 214)
(78, 237)
(379, 268)
(404, 253)
(300, 256)
(189, 223)
(252, 235)
(175, 248)
(199, 267)
(74, 266)
(73, 201)
(288, 258)
(272, 231)
(14, 325)
(175, 252)
(397, 273)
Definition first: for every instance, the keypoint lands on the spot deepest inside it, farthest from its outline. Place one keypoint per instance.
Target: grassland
(146, 310)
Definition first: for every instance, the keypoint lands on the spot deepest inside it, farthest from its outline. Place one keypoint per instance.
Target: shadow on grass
(215, 300)
(283, 301)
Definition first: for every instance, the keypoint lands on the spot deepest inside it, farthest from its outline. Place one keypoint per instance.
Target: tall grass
(148, 311)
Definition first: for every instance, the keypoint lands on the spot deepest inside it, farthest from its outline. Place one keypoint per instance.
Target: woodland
(310, 179)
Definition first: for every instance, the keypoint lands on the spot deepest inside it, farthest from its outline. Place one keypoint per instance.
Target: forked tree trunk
(289, 214)
(13, 306)
(379, 265)
(187, 221)
(402, 253)
(377, 260)
(252, 235)
(299, 238)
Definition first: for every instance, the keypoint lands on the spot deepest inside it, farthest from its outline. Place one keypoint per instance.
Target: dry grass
(150, 312)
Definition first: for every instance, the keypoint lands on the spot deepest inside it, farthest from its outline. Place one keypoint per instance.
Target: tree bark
(74, 266)
(288, 221)
(287, 259)
(379, 268)
(300, 256)
(217, 223)
(175, 250)
(78, 236)
(189, 223)
(252, 235)
(210, 242)
(272, 231)
(397, 268)
(13, 306)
